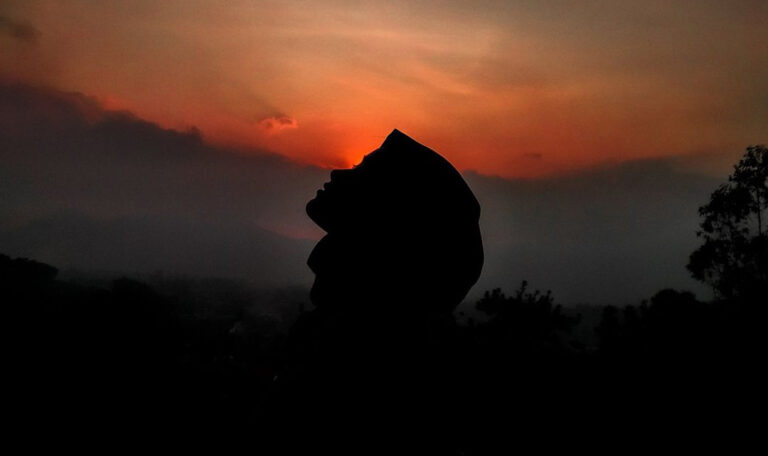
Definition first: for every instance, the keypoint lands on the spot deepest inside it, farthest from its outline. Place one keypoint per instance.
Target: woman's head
(402, 227)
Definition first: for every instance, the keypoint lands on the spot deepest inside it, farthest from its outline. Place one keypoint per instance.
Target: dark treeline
(126, 359)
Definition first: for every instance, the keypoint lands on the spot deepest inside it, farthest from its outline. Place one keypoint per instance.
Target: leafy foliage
(734, 256)
(674, 325)
(527, 320)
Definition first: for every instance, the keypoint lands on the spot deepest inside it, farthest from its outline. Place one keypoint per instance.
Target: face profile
(402, 229)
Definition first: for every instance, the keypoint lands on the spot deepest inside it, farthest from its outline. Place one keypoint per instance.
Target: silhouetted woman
(402, 249)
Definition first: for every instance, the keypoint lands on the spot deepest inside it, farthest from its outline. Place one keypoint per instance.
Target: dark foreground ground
(121, 365)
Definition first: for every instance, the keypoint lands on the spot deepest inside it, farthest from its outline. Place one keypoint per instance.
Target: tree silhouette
(526, 321)
(734, 256)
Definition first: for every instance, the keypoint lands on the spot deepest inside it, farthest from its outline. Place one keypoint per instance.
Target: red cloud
(276, 124)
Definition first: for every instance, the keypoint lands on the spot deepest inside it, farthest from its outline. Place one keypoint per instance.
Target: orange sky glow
(516, 89)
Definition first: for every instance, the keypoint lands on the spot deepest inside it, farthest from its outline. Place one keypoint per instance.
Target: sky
(187, 136)
(507, 88)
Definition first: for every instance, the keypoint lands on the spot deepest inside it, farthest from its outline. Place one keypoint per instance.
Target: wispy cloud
(19, 30)
(278, 123)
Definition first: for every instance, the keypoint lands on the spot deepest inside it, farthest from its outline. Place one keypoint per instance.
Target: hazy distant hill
(201, 248)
